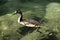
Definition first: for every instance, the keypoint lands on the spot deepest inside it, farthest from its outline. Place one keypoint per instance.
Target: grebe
(26, 22)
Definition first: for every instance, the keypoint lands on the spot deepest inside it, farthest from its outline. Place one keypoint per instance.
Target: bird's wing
(31, 21)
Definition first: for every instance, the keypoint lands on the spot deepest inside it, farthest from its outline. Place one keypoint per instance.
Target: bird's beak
(14, 13)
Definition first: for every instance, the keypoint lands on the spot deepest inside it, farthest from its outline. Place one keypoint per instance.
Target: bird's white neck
(20, 18)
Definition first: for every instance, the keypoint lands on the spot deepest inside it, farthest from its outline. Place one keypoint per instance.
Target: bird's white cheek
(15, 12)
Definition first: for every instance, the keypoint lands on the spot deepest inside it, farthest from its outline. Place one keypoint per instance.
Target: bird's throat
(21, 17)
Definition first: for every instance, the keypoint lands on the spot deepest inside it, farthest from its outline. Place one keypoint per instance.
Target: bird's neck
(21, 17)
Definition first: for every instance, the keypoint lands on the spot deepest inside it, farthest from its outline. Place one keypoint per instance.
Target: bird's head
(18, 11)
